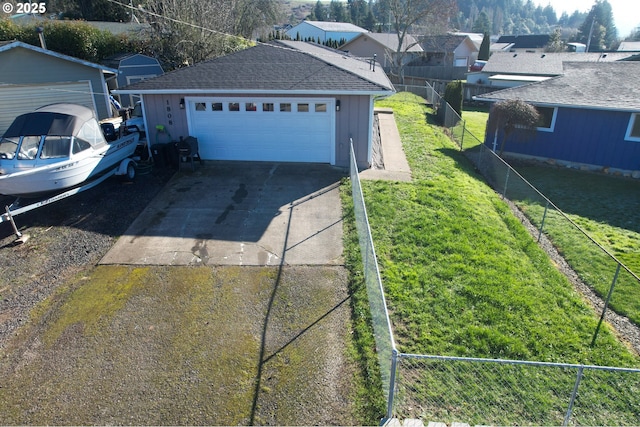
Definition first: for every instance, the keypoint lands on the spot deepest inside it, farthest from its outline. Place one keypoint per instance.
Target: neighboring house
(591, 117)
(132, 68)
(31, 77)
(323, 31)
(629, 47)
(453, 50)
(510, 69)
(524, 43)
(384, 46)
(284, 101)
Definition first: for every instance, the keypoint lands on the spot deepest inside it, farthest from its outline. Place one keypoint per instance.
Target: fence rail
(493, 391)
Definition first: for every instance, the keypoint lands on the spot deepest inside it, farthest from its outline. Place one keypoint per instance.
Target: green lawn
(462, 276)
(604, 206)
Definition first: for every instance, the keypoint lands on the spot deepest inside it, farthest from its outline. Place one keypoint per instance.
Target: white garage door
(264, 129)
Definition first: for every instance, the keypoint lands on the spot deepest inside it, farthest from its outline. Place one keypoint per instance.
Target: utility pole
(590, 33)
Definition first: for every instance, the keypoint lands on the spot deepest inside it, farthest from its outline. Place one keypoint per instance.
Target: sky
(626, 13)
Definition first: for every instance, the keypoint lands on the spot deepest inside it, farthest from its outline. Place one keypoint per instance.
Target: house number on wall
(169, 115)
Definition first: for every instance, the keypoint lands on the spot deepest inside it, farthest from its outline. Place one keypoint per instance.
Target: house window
(267, 106)
(303, 108)
(285, 107)
(216, 106)
(321, 108)
(547, 118)
(234, 106)
(201, 106)
(633, 130)
(250, 106)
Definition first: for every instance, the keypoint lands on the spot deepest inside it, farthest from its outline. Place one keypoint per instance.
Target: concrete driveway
(239, 213)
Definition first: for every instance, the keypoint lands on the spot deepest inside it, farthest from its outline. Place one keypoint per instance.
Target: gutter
(249, 92)
(575, 106)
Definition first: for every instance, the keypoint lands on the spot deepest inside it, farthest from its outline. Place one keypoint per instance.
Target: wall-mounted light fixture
(338, 105)
(182, 103)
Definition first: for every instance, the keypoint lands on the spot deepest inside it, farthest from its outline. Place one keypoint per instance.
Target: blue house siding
(590, 137)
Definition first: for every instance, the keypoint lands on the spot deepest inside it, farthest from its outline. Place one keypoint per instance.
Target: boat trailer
(16, 208)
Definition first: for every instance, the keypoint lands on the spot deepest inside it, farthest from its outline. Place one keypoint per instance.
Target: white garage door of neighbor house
(20, 99)
(264, 129)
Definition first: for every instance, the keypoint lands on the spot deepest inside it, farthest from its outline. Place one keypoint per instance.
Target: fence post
(606, 304)
(506, 182)
(574, 393)
(464, 129)
(544, 216)
(392, 382)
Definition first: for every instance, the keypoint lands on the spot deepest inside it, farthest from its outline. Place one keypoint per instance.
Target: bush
(73, 38)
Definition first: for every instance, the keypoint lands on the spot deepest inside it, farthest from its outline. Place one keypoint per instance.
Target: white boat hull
(67, 173)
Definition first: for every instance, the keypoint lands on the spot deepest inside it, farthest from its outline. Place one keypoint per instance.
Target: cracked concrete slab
(239, 213)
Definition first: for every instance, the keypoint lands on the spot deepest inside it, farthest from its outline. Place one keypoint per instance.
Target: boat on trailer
(55, 152)
(58, 147)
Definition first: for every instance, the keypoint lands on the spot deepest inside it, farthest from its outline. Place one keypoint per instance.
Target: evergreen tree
(370, 21)
(319, 12)
(485, 48)
(598, 23)
(337, 12)
(555, 42)
(482, 24)
(453, 95)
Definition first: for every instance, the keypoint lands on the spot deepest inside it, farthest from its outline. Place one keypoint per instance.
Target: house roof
(443, 43)
(592, 85)
(528, 41)
(629, 46)
(335, 27)
(542, 64)
(389, 41)
(7, 46)
(279, 67)
(114, 61)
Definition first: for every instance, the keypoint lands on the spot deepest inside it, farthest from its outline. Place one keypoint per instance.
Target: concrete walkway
(396, 167)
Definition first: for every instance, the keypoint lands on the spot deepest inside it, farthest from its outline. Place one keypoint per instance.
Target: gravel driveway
(87, 344)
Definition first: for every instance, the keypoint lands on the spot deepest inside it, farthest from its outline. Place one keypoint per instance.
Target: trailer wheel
(131, 172)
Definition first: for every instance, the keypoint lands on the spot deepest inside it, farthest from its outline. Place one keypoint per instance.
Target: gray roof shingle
(389, 41)
(608, 85)
(543, 64)
(275, 67)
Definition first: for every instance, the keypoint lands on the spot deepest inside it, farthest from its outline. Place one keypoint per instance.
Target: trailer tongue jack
(20, 238)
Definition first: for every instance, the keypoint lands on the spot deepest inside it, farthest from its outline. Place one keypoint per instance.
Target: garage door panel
(263, 135)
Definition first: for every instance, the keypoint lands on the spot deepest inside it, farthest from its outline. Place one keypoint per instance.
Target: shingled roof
(442, 43)
(543, 64)
(607, 86)
(279, 67)
(389, 41)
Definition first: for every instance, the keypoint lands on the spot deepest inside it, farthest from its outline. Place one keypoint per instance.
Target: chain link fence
(385, 346)
(500, 392)
(506, 392)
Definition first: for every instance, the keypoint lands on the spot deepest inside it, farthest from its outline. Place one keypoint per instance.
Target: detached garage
(32, 77)
(285, 101)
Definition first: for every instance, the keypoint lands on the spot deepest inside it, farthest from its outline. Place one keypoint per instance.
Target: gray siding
(22, 66)
(353, 121)
(165, 110)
